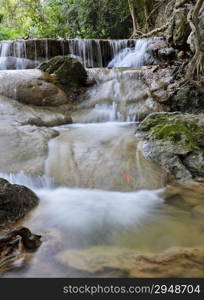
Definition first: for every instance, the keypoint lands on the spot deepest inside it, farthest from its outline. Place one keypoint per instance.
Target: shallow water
(74, 214)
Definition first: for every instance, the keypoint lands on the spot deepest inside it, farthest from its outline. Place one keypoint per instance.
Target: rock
(13, 246)
(195, 163)
(199, 209)
(167, 54)
(98, 261)
(15, 201)
(26, 127)
(174, 140)
(187, 99)
(186, 195)
(12, 63)
(144, 90)
(29, 240)
(69, 72)
(31, 87)
(178, 29)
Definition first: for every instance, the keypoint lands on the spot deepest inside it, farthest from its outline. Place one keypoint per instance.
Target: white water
(84, 209)
(133, 57)
(118, 95)
(13, 55)
(92, 53)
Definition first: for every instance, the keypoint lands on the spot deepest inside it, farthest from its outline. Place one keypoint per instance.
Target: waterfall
(5, 50)
(133, 57)
(118, 95)
(13, 55)
(89, 52)
(93, 53)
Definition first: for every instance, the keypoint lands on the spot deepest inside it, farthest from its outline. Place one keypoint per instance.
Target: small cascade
(92, 53)
(5, 49)
(13, 55)
(89, 52)
(133, 57)
(119, 95)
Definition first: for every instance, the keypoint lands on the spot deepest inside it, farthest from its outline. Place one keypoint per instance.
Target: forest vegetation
(110, 19)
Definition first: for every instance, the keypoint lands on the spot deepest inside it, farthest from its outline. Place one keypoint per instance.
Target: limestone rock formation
(101, 261)
(176, 142)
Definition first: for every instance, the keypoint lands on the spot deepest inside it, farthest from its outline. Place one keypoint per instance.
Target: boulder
(68, 71)
(176, 142)
(15, 201)
(187, 99)
(31, 87)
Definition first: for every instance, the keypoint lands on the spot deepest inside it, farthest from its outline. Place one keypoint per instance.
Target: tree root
(150, 33)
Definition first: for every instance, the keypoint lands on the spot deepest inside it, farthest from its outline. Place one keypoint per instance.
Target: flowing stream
(97, 189)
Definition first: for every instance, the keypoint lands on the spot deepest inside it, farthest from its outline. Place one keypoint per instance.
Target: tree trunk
(133, 15)
(146, 16)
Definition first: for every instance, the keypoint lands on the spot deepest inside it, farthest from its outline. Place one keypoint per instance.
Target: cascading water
(92, 53)
(118, 95)
(95, 188)
(13, 55)
(133, 57)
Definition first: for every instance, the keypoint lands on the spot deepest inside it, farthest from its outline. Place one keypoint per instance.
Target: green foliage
(68, 18)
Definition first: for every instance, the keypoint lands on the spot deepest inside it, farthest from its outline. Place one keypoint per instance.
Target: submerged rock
(98, 261)
(15, 201)
(175, 141)
(185, 195)
(68, 71)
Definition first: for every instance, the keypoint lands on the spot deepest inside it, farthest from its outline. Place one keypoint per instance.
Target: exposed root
(195, 71)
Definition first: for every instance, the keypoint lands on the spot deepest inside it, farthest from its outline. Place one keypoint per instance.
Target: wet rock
(69, 72)
(12, 63)
(31, 87)
(26, 127)
(15, 201)
(144, 90)
(166, 54)
(24, 148)
(175, 262)
(199, 209)
(184, 195)
(174, 140)
(13, 247)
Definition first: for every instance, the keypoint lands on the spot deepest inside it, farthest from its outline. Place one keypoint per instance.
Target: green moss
(181, 133)
(68, 70)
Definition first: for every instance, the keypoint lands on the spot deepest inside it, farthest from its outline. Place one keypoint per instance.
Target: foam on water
(133, 57)
(86, 209)
(32, 182)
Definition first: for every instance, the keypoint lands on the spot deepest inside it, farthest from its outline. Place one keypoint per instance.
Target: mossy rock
(69, 72)
(176, 129)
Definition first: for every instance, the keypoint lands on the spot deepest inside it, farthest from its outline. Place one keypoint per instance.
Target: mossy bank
(176, 142)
